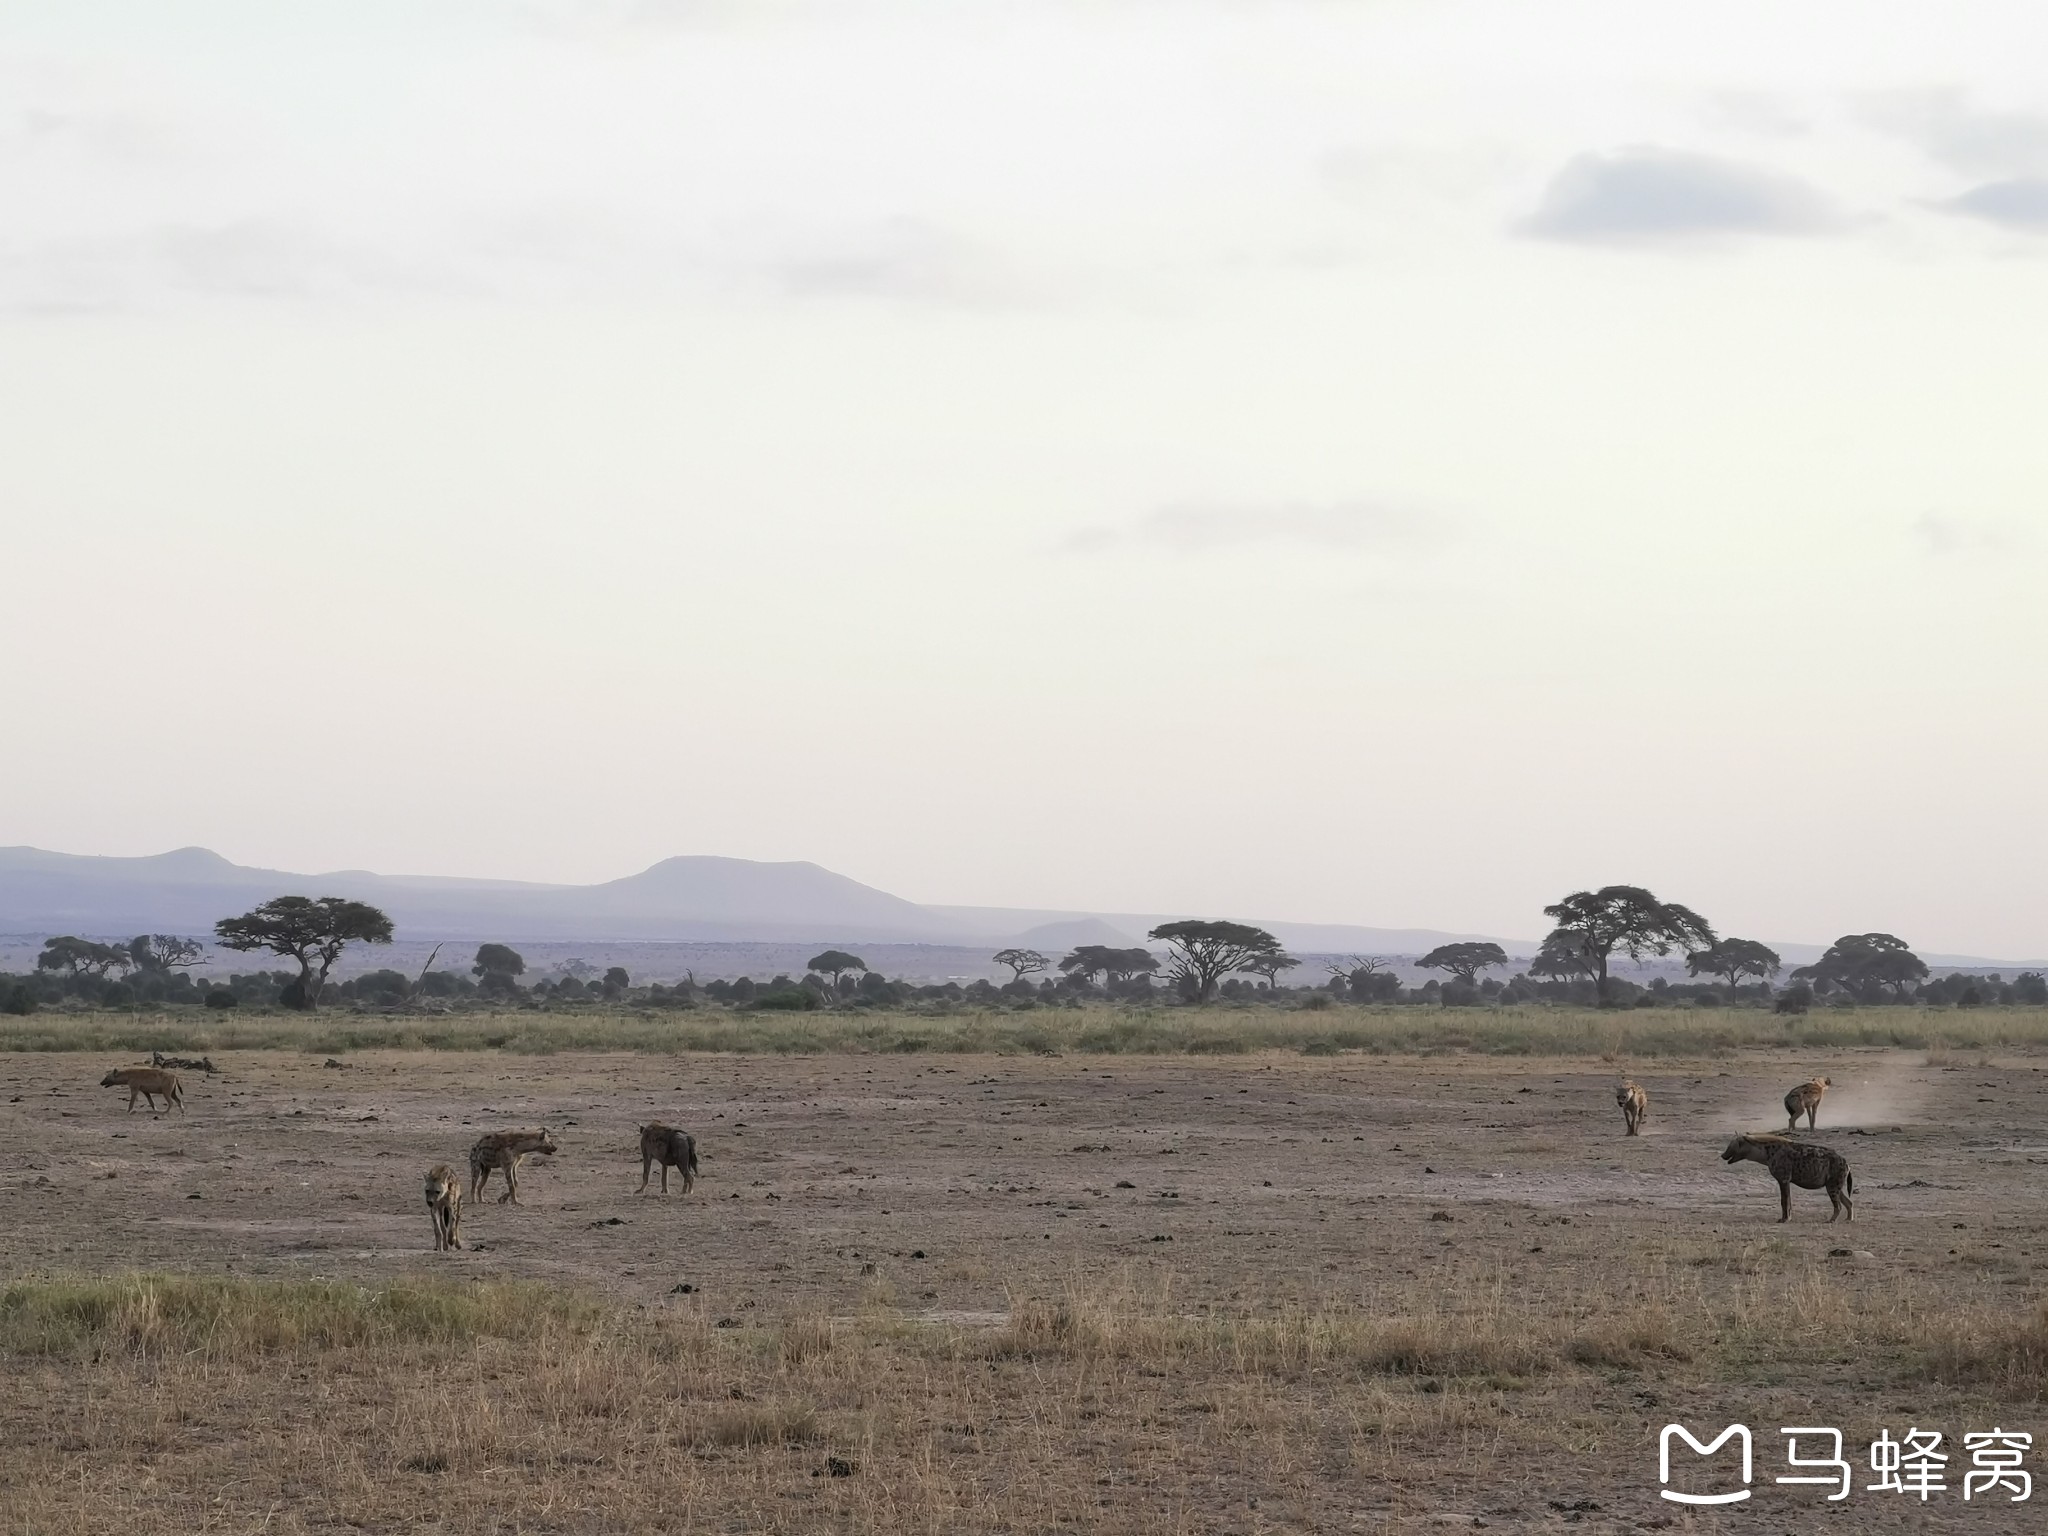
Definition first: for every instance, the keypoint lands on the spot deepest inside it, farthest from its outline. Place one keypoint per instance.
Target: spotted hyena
(1635, 1106)
(147, 1083)
(1801, 1163)
(444, 1205)
(502, 1151)
(671, 1148)
(1805, 1100)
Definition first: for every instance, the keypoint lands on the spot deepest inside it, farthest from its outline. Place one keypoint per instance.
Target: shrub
(221, 997)
(18, 1000)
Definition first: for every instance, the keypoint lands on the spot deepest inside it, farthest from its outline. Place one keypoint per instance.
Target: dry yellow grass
(161, 1404)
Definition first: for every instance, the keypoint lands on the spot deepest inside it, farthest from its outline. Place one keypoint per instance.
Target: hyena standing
(1801, 1163)
(502, 1150)
(671, 1148)
(1635, 1106)
(147, 1083)
(444, 1204)
(1805, 1100)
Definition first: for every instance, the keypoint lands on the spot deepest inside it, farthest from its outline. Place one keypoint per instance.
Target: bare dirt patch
(1030, 1293)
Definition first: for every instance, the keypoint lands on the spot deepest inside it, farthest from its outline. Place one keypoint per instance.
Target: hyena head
(1738, 1149)
(546, 1144)
(438, 1185)
(111, 1079)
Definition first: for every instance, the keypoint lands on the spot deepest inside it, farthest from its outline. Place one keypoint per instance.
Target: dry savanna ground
(1000, 1293)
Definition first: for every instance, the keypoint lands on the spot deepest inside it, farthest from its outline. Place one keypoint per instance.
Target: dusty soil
(972, 1183)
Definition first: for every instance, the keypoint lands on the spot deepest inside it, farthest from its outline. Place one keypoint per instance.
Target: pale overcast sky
(1391, 463)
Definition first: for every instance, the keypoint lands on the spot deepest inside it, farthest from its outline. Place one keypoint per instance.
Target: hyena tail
(692, 1144)
(1848, 1183)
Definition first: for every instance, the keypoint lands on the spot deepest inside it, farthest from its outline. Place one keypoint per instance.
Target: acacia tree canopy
(76, 955)
(163, 953)
(498, 960)
(1592, 925)
(1205, 952)
(312, 931)
(836, 963)
(1464, 960)
(1022, 962)
(1560, 959)
(1866, 964)
(1091, 960)
(1733, 959)
(1270, 967)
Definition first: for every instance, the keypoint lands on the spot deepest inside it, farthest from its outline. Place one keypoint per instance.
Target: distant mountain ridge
(689, 899)
(703, 898)
(692, 898)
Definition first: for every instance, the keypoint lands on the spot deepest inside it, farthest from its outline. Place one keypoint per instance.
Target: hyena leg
(1784, 1200)
(664, 1178)
(1843, 1204)
(478, 1178)
(647, 1172)
(511, 1183)
(1812, 1115)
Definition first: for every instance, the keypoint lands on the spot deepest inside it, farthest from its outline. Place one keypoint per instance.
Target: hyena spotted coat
(502, 1151)
(671, 1148)
(444, 1205)
(1635, 1106)
(1801, 1163)
(147, 1083)
(1805, 1100)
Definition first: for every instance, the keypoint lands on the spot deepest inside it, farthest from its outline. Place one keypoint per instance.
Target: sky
(1390, 463)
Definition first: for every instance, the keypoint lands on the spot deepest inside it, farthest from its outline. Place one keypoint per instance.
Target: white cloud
(2020, 203)
(1949, 128)
(1646, 196)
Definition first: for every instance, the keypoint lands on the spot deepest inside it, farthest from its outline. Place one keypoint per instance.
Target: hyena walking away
(1635, 1106)
(671, 1148)
(1801, 1163)
(502, 1150)
(1805, 1100)
(147, 1083)
(444, 1204)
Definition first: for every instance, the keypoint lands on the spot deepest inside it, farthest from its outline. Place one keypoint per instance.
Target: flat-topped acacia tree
(1088, 961)
(1205, 952)
(836, 963)
(1865, 965)
(1592, 925)
(1734, 959)
(1022, 962)
(312, 931)
(1464, 960)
